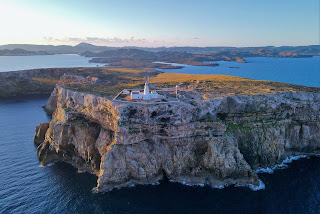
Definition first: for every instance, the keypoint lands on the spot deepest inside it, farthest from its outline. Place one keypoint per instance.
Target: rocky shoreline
(214, 142)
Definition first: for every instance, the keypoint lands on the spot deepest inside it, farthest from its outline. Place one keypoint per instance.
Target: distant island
(161, 57)
(82, 47)
(137, 58)
(21, 52)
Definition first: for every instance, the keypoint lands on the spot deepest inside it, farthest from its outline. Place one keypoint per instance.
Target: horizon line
(161, 46)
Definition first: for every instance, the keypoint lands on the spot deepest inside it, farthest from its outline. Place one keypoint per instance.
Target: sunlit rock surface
(214, 141)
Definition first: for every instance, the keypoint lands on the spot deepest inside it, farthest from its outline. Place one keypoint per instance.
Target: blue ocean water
(16, 63)
(301, 71)
(25, 187)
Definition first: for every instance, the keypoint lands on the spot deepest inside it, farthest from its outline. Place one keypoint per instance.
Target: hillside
(82, 47)
(21, 52)
(110, 81)
(145, 59)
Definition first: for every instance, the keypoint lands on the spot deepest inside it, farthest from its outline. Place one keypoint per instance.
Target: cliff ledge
(199, 140)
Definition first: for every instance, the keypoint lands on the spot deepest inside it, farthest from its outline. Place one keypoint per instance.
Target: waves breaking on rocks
(283, 165)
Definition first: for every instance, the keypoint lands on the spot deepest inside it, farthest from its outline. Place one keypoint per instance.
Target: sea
(300, 71)
(27, 187)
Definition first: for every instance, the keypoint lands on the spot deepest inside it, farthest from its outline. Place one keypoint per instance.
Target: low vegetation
(113, 80)
(43, 80)
(211, 86)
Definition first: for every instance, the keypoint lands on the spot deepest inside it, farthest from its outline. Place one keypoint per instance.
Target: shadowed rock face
(214, 142)
(28, 82)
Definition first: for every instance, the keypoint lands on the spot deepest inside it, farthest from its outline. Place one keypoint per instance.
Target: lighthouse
(146, 94)
(146, 90)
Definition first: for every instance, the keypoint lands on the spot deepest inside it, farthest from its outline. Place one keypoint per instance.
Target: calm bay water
(301, 71)
(15, 63)
(25, 187)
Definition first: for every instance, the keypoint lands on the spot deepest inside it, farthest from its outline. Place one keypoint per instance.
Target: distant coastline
(219, 53)
(22, 52)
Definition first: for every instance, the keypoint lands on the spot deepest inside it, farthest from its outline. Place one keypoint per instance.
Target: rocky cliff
(43, 81)
(215, 142)
(31, 82)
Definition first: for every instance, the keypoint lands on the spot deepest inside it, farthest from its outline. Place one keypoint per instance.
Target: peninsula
(221, 132)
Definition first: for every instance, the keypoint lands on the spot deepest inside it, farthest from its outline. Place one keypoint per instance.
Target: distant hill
(83, 47)
(123, 53)
(302, 50)
(138, 58)
(21, 52)
(59, 49)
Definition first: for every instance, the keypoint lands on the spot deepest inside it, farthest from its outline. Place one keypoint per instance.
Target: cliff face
(29, 82)
(215, 142)
(36, 81)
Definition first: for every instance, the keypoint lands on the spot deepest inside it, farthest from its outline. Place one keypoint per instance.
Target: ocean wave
(156, 183)
(256, 188)
(261, 185)
(48, 165)
(185, 183)
(283, 165)
(253, 187)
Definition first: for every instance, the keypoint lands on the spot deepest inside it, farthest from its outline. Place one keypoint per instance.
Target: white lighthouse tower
(146, 94)
(146, 90)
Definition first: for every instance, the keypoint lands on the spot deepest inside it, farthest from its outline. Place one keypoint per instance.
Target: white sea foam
(51, 164)
(292, 158)
(261, 186)
(283, 165)
(218, 187)
(48, 165)
(256, 188)
(199, 185)
(181, 182)
(264, 170)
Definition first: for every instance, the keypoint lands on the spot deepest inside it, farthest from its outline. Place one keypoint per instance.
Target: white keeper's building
(146, 94)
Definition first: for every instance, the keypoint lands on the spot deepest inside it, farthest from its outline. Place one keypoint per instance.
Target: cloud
(195, 38)
(114, 41)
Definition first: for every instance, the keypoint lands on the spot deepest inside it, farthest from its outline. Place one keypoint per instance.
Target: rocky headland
(43, 81)
(206, 138)
(28, 82)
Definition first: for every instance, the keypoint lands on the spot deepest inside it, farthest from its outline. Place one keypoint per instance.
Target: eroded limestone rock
(215, 142)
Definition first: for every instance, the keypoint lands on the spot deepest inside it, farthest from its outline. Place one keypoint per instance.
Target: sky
(155, 23)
